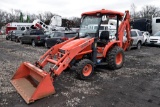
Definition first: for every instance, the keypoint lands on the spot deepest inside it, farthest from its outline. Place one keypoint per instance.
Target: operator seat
(103, 39)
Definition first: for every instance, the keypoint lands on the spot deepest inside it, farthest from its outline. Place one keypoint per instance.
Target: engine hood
(154, 37)
(74, 43)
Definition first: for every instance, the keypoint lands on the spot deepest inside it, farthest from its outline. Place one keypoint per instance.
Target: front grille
(153, 41)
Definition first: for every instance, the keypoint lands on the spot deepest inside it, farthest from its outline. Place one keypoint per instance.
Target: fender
(110, 45)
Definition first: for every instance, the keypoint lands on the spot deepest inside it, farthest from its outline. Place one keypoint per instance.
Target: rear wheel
(11, 39)
(139, 45)
(16, 40)
(115, 58)
(145, 42)
(20, 40)
(84, 69)
(130, 45)
(46, 45)
(129, 48)
(33, 43)
(7, 38)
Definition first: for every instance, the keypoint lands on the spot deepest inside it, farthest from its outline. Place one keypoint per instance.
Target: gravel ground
(137, 84)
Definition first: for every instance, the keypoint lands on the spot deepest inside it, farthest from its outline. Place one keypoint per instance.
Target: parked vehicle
(48, 33)
(137, 38)
(155, 24)
(33, 37)
(146, 36)
(110, 28)
(16, 26)
(155, 39)
(58, 37)
(8, 36)
(15, 35)
(142, 24)
(75, 29)
(105, 27)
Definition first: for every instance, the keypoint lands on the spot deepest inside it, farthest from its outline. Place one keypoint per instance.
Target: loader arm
(125, 25)
(61, 60)
(53, 50)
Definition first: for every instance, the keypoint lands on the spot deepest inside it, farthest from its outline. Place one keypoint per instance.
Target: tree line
(16, 16)
(146, 11)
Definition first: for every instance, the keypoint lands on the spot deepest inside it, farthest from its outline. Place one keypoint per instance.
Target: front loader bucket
(32, 83)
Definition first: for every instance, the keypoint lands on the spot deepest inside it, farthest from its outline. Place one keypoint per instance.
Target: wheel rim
(129, 48)
(20, 41)
(33, 43)
(145, 42)
(119, 58)
(46, 45)
(87, 70)
(139, 45)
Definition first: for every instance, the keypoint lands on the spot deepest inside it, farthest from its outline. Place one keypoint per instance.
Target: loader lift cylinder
(117, 27)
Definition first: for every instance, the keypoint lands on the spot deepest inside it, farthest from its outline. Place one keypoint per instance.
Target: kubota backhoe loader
(83, 52)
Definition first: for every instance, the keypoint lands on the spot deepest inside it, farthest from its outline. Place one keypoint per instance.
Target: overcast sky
(71, 8)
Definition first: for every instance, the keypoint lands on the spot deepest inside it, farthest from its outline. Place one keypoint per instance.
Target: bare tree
(32, 17)
(133, 10)
(48, 15)
(149, 10)
(134, 14)
(2, 18)
(40, 16)
(76, 21)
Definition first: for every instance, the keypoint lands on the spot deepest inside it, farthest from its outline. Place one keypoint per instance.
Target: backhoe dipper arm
(125, 25)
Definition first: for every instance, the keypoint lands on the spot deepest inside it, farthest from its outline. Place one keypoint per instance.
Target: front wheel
(128, 48)
(46, 45)
(145, 42)
(115, 58)
(7, 38)
(33, 43)
(16, 40)
(84, 69)
(20, 40)
(139, 45)
(11, 39)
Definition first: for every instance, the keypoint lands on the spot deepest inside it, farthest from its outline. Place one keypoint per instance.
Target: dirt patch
(137, 84)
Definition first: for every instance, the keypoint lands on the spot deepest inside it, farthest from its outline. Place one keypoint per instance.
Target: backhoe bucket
(32, 83)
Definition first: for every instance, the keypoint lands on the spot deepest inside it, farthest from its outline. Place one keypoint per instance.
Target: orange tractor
(92, 46)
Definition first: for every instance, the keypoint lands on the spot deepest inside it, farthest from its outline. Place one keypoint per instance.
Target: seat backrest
(104, 35)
